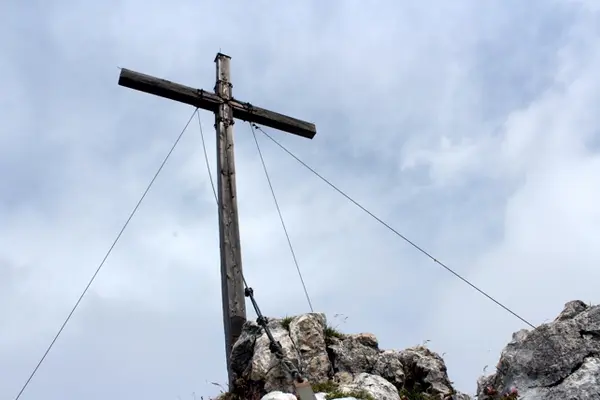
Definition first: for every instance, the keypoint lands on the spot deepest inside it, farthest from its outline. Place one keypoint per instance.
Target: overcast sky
(472, 127)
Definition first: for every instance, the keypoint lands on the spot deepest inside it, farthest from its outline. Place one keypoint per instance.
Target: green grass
(359, 394)
(333, 391)
(325, 387)
(286, 321)
(331, 332)
(413, 395)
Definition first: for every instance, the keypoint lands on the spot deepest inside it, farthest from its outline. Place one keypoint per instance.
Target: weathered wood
(226, 109)
(167, 89)
(232, 283)
(211, 101)
(248, 112)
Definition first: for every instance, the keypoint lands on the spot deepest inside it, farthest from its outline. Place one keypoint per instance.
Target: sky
(471, 127)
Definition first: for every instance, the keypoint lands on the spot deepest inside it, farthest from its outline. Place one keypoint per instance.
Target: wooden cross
(225, 108)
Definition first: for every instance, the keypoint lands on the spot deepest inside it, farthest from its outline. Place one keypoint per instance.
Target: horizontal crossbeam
(210, 101)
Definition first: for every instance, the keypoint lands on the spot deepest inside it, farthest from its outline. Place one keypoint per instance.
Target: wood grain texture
(225, 108)
(211, 101)
(169, 90)
(232, 283)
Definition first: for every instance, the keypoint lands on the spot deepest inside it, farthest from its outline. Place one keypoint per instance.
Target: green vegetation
(358, 394)
(243, 390)
(333, 391)
(331, 332)
(406, 394)
(286, 321)
(325, 387)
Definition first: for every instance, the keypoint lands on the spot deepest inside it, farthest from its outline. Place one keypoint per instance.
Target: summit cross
(225, 108)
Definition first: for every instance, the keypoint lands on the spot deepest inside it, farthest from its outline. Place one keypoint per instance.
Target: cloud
(471, 128)
(547, 249)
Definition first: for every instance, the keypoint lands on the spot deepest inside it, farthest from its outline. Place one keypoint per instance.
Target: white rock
(555, 361)
(321, 396)
(288, 396)
(263, 360)
(307, 333)
(375, 385)
(278, 396)
(346, 398)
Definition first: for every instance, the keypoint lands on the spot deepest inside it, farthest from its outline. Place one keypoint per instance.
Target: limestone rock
(343, 378)
(307, 332)
(243, 350)
(390, 367)
(347, 364)
(558, 360)
(374, 385)
(303, 345)
(278, 396)
(322, 396)
(571, 310)
(367, 339)
(265, 366)
(286, 396)
(458, 396)
(425, 371)
(351, 355)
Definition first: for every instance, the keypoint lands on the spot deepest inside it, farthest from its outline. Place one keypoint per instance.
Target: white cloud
(548, 250)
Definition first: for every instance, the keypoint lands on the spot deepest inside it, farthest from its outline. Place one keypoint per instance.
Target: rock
(303, 345)
(458, 396)
(585, 381)
(425, 371)
(343, 378)
(286, 396)
(243, 349)
(350, 354)
(307, 332)
(374, 385)
(571, 310)
(367, 339)
(558, 360)
(268, 368)
(278, 396)
(390, 367)
(348, 364)
(322, 396)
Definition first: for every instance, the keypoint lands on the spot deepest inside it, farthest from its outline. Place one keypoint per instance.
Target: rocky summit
(337, 365)
(558, 360)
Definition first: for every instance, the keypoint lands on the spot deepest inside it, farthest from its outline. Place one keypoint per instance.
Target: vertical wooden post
(225, 109)
(232, 284)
